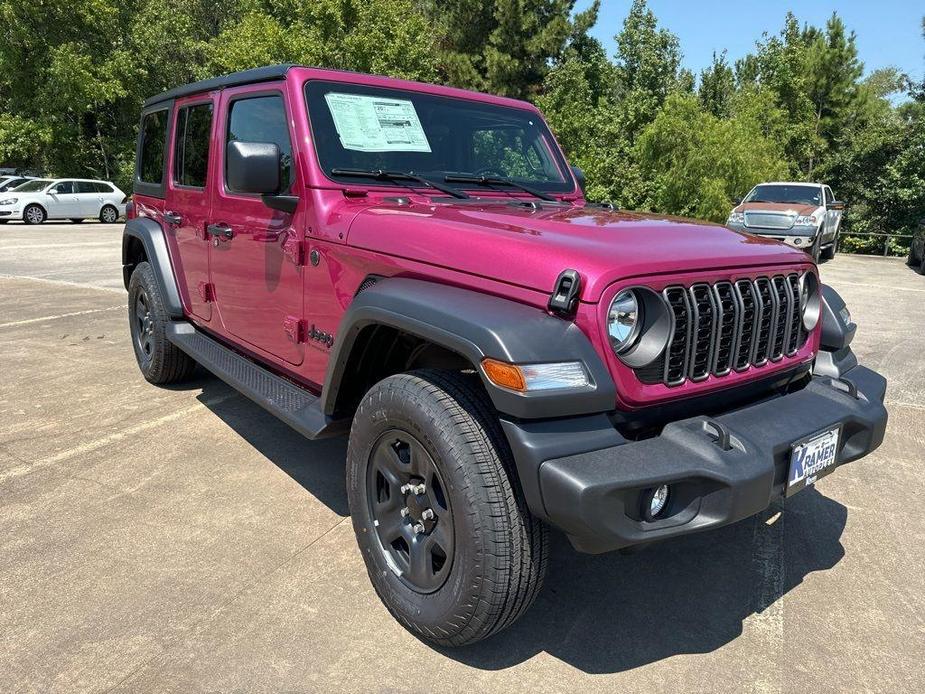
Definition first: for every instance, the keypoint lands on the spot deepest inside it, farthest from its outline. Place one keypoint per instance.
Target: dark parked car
(416, 265)
(917, 249)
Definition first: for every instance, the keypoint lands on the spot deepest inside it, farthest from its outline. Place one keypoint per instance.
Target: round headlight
(809, 300)
(623, 320)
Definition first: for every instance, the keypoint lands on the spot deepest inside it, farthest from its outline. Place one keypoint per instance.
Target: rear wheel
(160, 361)
(448, 541)
(33, 214)
(109, 214)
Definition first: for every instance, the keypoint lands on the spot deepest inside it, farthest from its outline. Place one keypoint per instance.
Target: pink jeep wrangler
(416, 265)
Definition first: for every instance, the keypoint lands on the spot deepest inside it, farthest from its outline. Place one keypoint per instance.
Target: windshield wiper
(497, 180)
(381, 175)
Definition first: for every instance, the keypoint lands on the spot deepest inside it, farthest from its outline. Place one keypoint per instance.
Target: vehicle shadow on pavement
(615, 612)
(318, 466)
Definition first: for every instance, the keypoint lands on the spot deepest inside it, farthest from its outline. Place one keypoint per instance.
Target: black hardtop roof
(235, 79)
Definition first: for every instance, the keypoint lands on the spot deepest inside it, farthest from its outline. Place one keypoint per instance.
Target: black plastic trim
(151, 235)
(582, 476)
(836, 333)
(235, 79)
(476, 326)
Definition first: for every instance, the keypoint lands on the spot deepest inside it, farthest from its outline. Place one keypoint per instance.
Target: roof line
(235, 79)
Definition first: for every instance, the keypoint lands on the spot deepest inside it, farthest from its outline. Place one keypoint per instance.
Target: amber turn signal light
(504, 375)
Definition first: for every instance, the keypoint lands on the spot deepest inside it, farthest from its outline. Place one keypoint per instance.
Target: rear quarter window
(153, 137)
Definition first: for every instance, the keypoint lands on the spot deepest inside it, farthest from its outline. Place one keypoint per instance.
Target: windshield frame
(808, 187)
(567, 187)
(21, 187)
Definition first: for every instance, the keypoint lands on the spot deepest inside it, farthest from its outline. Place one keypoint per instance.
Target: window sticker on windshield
(376, 123)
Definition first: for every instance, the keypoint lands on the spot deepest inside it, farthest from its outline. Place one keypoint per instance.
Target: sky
(889, 32)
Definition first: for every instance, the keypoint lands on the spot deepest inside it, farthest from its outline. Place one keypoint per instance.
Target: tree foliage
(647, 134)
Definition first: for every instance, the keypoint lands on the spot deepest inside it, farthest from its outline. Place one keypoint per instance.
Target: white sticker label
(376, 123)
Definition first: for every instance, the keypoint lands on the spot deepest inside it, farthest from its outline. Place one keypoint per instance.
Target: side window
(63, 188)
(191, 148)
(103, 187)
(85, 187)
(153, 137)
(829, 197)
(262, 119)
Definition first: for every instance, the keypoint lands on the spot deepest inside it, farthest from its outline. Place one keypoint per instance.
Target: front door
(62, 201)
(254, 268)
(188, 201)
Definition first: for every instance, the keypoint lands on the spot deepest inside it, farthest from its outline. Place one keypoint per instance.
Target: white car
(62, 198)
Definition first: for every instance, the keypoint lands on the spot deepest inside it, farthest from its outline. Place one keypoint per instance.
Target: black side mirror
(580, 177)
(252, 167)
(836, 205)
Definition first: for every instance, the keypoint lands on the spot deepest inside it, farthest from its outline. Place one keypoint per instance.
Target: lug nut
(405, 512)
(406, 488)
(418, 528)
(428, 514)
(420, 489)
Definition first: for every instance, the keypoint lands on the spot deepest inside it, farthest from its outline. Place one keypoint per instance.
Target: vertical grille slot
(765, 302)
(749, 324)
(796, 336)
(728, 320)
(676, 361)
(782, 322)
(703, 325)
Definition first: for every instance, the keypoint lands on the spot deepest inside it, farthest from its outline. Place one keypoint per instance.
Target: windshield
(797, 195)
(32, 186)
(369, 128)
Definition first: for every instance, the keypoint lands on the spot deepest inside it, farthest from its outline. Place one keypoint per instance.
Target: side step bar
(294, 405)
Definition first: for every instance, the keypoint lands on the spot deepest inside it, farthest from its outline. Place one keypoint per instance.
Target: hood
(529, 247)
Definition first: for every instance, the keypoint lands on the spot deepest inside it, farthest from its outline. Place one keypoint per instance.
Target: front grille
(769, 220)
(728, 326)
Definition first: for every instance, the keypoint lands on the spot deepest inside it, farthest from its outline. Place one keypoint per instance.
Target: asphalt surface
(184, 540)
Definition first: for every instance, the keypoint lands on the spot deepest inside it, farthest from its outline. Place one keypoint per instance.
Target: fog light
(654, 502)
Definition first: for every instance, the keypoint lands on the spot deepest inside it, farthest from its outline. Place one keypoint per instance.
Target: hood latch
(564, 299)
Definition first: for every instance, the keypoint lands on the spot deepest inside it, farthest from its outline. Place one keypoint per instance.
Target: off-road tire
(814, 250)
(500, 550)
(160, 361)
(31, 215)
(111, 212)
(828, 253)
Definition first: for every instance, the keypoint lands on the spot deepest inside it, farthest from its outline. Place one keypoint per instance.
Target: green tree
(717, 87)
(506, 46)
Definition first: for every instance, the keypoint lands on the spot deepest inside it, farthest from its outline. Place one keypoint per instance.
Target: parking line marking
(880, 286)
(64, 283)
(60, 315)
(91, 446)
(27, 246)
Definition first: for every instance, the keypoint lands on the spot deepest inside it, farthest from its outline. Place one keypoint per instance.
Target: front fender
(152, 238)
(477, 326)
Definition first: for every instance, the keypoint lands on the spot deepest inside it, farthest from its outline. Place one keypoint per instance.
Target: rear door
(257, 277)
(62, 201)
(188, 200)
(89, 199)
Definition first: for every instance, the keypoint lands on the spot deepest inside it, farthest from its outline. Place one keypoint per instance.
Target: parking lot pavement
(182, 539)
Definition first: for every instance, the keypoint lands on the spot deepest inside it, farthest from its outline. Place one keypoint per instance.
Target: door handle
(222, 230)
(172, 218)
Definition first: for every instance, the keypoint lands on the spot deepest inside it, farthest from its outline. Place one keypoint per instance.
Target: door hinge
(296, 329)
(294, 249)
(207, 292)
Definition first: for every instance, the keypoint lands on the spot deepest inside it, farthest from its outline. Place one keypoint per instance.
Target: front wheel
(33, 214)
(449, 544)
(828, 253)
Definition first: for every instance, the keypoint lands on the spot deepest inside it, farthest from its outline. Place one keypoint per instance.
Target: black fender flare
(151, 235)
(477, 325)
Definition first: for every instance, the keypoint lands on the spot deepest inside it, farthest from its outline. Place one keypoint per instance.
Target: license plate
(811, 459)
